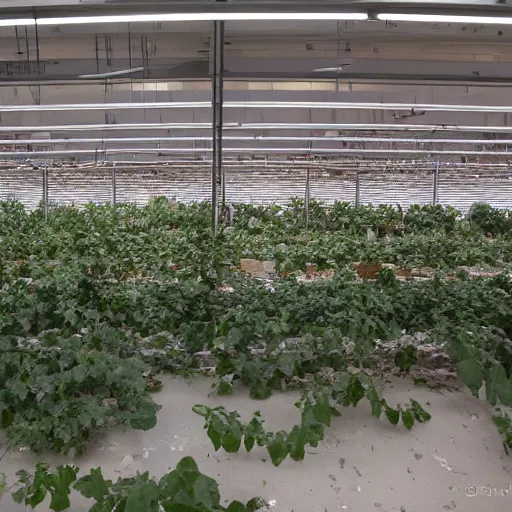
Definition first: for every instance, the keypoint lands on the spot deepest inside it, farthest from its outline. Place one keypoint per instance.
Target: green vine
(317, 406)
(184, 489)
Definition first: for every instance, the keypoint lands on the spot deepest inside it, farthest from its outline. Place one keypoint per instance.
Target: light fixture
(113, 74)
(17, 22)
(204, 16)
(445, 18)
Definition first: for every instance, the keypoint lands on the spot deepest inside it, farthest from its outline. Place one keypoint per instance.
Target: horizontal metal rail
(255, 138)
(282, 151)
(258, 126)
(258, 104)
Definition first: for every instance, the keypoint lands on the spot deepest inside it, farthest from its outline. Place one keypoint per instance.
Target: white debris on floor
(364, 464)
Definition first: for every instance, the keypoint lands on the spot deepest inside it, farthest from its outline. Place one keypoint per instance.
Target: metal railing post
(358, 189)
(114, 185)
(435, 184)
(45, 192)
(218, 181)
(306, 197)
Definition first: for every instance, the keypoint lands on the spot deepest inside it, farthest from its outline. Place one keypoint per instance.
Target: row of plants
(185, 489)
(78, 358)
(158, 240)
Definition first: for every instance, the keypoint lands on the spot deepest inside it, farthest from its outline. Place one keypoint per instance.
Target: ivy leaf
(408, 418)
(6, 418)
(93, 485)
(406, 358)
(419, 413)
(59, 502)
(233, 439)
(260, 391)
(145, 416)
(373, 397)
(249, 443)
(71, 317)
(202, 410)
(85, 419)
(297, 441)
(392, 414)
(501, 385)
(315, 430)
(225, 385)
(255, 504)
(490, 392)
(322, 410)
(36, 497)
(287, 363)
(65, 476)
(206, 492)
(142, 496)
(236, 506)
(470, 373)
(278, 448)
(354, 393)
(215, 437)
(18, 496)
(19, 390)
(253, 432)
(3, 483)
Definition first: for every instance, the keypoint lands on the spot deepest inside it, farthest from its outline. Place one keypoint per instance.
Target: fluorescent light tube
(17, 22)
(444, 18)
(203, 16)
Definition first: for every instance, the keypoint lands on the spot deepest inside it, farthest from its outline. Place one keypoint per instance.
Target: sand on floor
(451, 463)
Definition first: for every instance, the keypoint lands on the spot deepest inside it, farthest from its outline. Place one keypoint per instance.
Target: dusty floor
(363, 465)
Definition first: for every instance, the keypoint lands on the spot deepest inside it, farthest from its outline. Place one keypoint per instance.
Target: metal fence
(264, 182)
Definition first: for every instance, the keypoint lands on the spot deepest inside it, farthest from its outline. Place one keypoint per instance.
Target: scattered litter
(443, 463)
(127, 461)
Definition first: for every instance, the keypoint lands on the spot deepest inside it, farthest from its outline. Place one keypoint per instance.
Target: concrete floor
(363, 464)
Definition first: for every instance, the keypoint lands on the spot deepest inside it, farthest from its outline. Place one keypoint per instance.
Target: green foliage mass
(317, 405)
(96, 299)
(185, 489)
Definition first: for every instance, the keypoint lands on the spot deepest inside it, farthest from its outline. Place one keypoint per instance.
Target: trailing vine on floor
(317, 405)
(185, 489)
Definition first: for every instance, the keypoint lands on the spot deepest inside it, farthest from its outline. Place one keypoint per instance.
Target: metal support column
(218, 182)
(435, 185)
(307, 191)
(45, 192)
(114, 185)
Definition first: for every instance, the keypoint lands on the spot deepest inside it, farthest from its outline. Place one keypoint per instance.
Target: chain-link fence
(260, 182)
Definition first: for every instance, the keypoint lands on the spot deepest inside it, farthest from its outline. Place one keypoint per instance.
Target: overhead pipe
(258, 126)
(258, 104)
(255, 138)
(283, 151)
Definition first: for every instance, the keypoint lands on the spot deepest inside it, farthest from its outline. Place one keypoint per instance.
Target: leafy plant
(317, 407)
(56, 390)
(184, 489)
